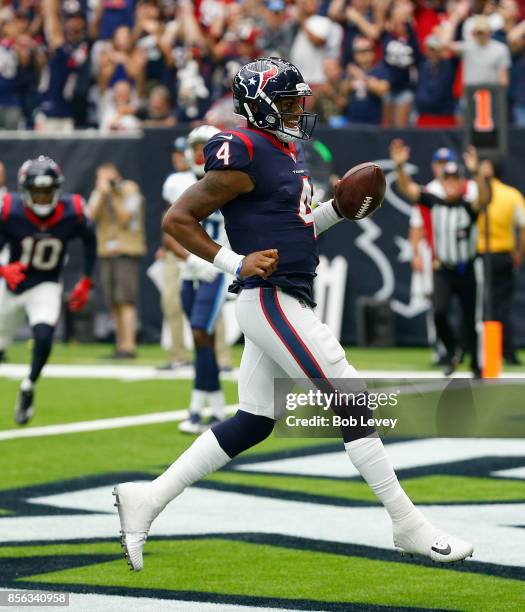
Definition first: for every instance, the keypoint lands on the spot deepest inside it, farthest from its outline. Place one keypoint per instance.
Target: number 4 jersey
(41, 243)
(276, 214)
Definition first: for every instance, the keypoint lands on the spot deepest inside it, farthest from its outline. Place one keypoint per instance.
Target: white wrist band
(228, 261)
(325, 216)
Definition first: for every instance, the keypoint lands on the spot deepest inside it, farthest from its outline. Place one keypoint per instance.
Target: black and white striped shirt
(454, 228)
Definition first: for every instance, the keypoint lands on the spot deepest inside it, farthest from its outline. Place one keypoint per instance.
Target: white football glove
(201, 269)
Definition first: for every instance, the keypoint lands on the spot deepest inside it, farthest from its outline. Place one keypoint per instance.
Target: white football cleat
(424, 539)
(136, 511)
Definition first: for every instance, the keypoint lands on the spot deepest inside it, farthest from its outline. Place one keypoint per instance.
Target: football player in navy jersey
(37, 223)
(257, 177)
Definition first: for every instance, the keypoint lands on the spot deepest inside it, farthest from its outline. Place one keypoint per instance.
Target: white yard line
(136, 372)
(80, 602)
(119, 372)
(99, 424)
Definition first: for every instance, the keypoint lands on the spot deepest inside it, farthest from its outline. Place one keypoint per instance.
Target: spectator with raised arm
(318, 38)
(401, 56)
(184, 29)
(10, 60)
(149, 34)
(109, 15)
(358, 18)
(65, 79)
(485, 61)
(435, 101)
(32, 58)
(121, 60)
(277, 31)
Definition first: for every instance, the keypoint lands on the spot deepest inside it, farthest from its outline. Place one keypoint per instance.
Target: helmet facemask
(287, 126)
(291, 125)
(42, 200)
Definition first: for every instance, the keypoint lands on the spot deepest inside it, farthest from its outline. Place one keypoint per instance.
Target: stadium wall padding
(376, 252)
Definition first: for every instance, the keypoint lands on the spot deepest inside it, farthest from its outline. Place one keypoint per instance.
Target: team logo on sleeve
(261, 75)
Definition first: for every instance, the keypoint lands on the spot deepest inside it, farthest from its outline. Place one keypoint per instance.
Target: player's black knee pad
(242, 431)
(359, 410)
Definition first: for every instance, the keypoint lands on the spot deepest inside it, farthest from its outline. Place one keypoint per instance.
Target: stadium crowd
(123, 64)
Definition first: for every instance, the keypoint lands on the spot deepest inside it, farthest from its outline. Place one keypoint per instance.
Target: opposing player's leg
(138, 504)
(292, 335)
(202, 306)
(42, 305)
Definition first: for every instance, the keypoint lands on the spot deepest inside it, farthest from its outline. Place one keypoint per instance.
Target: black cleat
(24, 410)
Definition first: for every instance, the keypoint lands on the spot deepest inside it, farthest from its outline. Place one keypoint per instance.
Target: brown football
(361, 191)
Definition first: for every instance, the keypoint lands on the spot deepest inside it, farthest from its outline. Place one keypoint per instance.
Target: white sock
(216, 403)
(203, 457)
(198, 401)
(369, 457)
(26, 385)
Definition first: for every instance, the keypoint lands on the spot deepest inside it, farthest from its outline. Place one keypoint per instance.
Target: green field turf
(151, 354)
(250, 569)
(235, 568)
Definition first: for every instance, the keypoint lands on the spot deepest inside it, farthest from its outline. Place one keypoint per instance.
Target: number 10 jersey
(37, 242)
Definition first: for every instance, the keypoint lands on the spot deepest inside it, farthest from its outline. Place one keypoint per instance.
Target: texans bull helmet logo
(261, 75)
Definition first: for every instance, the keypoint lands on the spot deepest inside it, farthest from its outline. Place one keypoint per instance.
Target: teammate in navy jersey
(256, 177)
(37, 224)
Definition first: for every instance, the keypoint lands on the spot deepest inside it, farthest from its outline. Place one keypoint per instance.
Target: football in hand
(361, 191)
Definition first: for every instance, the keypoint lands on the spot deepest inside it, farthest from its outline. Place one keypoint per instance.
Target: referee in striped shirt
(454, 231)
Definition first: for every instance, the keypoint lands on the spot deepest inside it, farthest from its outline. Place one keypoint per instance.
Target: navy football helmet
(40, 181)
(260, 85)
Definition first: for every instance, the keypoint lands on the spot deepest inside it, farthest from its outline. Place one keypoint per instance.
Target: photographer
(117, 207)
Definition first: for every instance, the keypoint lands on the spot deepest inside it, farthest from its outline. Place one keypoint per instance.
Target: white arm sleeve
(325, 216)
